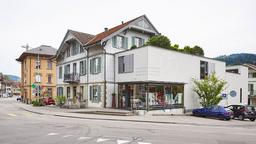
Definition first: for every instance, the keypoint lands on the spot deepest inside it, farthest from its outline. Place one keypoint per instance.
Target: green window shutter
(85, 68)
(99, 93)
(125, 42)
(142, 42)
(99, 65)
(91, 66)
(133, 41)
(114, 41)
(91, 93)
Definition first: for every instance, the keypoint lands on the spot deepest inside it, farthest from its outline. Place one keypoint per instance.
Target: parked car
(243, 112)
(214, 112)
(48, 101)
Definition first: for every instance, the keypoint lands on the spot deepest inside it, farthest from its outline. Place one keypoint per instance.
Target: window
(38, 63)
(49, 79)
(68, 92)
(125, 64)
(75, 48)
(95, 65)
(49, 64)
(81, 49)
(203, 69)
(233, 70)
(241, 95)
(49, 92)
(254, 75)
(59, 91)
(74, 91)
(82, 67)
(38, 78)
(120, 42)
(67, 69)
(81, 92)
(60, 72)
(38, 91)
(68, 52)
(95, 93)
(74, 67)
(137, 41)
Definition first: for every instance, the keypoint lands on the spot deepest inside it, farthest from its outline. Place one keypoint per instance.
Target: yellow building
(38, 73)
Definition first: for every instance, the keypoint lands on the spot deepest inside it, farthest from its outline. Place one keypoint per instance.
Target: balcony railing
(252, 92)
(72, 78)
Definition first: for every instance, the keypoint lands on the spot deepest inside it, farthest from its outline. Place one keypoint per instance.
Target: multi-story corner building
(38, 73)
(146, 77)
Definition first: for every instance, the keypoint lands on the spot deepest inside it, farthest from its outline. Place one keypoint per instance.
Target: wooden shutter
(133, 41)
(142, 42)
(99, 92)
(120, 64)
(85, 67)
(91, 66)
(99, 65)
(125, 42)
(114, 41)
(91, 93)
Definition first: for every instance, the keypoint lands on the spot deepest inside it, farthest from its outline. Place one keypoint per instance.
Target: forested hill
(241, 58)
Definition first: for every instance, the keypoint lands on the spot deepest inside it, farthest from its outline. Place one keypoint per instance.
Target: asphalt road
(21, 127)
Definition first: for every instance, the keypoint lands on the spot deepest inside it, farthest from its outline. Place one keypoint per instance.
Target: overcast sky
(218, 26)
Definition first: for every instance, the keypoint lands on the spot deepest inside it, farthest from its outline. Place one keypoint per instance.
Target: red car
(48, 101)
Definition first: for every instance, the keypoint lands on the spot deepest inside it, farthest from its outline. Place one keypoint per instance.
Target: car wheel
(252, 119)
(241, 117)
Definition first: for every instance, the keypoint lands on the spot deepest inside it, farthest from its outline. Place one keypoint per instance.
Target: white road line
(52, 134)
(101, 140)
(65, 136)
(143, 143)
(83, 138)
(122, 141)
(10, 114)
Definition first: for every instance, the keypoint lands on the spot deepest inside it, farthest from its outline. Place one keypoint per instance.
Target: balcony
(72, 78)
(252, 93)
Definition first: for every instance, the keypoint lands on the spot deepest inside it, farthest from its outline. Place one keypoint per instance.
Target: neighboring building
(38, 73)
(146, 77)
(251, 84)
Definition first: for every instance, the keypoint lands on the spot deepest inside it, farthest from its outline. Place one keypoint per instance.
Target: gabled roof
(82, 37)
(41, 50)
(250, 66)
(110, 31)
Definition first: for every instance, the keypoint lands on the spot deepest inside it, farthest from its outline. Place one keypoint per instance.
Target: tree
(160, 41)
(198, 51)
(209, 90)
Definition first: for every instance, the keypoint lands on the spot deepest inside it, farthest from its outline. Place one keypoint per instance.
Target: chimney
(106, 29)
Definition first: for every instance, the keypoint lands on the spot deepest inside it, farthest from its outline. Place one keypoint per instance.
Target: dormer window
(120, 42)
(137, 41)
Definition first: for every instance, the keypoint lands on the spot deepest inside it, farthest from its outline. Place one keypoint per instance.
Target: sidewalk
(184, 120)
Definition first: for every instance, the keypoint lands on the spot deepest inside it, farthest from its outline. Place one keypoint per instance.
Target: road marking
(143, 143)
(65, 136)
(10, 114)
(122, 141)
(101, 140)
(52, 134)
(83, 138)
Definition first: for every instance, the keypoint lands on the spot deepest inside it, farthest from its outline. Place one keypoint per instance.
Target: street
(21, 127)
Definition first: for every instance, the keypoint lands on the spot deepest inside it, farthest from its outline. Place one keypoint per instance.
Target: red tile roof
(104, 34)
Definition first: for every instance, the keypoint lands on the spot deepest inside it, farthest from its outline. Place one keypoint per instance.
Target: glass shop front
(150, 96)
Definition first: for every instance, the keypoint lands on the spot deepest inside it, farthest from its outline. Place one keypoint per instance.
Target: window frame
(95, 93)
(95, 65)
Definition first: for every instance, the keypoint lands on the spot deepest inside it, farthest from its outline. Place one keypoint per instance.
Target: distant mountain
(236, 59)
(13, 77)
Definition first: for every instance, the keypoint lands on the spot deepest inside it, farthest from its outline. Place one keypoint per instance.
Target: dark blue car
(214, 112)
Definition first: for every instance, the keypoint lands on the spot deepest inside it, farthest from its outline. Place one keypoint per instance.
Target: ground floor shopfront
(150, 96)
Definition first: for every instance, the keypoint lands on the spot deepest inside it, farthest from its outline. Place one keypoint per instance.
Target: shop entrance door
(125, 93)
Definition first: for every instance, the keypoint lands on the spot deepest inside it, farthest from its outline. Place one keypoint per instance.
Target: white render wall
(158, 64)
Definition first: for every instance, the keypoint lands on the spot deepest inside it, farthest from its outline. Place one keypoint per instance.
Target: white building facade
(106, 70)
